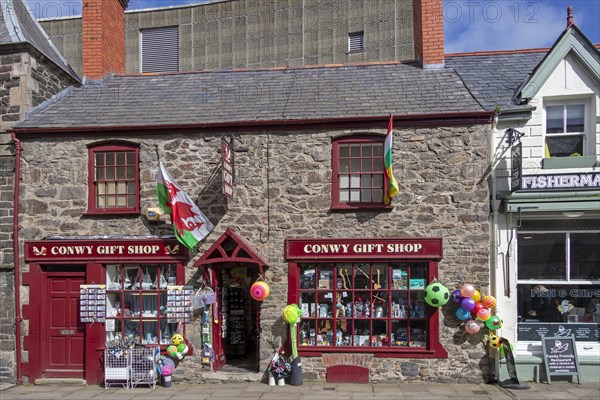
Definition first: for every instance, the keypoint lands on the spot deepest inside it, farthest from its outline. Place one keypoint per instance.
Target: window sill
(112, 212)
(361, 207)
(568, 162)
(404, 352)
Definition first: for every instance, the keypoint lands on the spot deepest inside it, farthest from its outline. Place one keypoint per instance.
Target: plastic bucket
(166, 381)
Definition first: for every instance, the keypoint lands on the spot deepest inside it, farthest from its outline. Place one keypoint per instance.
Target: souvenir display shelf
(363, 305)
(236, 322)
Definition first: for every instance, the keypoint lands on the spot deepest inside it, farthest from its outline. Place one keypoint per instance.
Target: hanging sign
(516, 166)
(227, 168)
(179, 303)
(92, 303)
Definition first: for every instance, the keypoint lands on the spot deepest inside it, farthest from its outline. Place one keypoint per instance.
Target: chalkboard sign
(560, 356)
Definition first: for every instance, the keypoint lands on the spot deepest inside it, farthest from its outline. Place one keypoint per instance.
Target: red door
(63, 334)
(217, 339)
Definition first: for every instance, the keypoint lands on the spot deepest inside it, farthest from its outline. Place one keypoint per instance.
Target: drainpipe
(495, 205)
(18, 318)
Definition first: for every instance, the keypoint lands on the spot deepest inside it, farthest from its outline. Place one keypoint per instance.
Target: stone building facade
(282, 191)
(31, 72)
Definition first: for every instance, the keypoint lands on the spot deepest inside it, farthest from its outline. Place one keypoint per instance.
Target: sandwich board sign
(560, 356)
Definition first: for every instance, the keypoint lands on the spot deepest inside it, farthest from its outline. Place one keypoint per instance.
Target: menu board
(92, 303)
(179, 303)
(583, 332)
(560, 356)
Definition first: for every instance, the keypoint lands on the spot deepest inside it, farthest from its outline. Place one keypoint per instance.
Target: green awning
(553, 201)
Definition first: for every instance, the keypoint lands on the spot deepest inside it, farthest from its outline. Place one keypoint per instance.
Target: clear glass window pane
(554, 119)
(344, 181)
(110, 188)
(417, 334)
(541, 256)
(355, 150)
(101, 188)
(585, 256)
(111, 202)
(120, 158)
(130, 172)
(355, 165)
(378, 150)
(130, 158)
(99, 159)
(343, 150)
(110, 173)
(150, 332)
(354, 181)
(366, 195)
(308, 333)
(131, 201)
(366, 150)
(110, 158)
(354, 195)
(344, 165)
(377, 196)
(367, 165)
(121, 188)
(378, 181)
(366, 181)
(564, 146)
(121, 201)
(120, 173)
(377, 164)
(100, 202)
(131, 188)
(344, 196)
(99, 173)
(308, 305)
(575, 118)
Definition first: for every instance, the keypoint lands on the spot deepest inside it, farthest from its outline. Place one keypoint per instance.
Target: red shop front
(69, 322)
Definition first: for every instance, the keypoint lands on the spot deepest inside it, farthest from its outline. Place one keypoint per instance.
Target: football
(436, 294)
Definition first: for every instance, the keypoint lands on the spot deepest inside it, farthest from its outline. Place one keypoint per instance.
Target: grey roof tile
(264, 95)
(494, 78)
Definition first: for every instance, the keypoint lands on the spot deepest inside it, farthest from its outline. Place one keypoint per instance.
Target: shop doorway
(231, 266)
(63, 335)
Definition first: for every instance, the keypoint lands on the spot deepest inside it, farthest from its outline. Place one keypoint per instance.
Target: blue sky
(469, 25)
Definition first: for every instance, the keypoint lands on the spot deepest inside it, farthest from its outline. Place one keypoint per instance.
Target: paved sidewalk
(309, 390)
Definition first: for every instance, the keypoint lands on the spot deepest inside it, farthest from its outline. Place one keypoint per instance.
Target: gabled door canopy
(231, 247)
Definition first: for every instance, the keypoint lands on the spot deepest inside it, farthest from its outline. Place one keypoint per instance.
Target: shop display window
(558, 291)
(374, 306)
(136, 302)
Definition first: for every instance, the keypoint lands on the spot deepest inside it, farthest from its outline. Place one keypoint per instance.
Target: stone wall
(25, 82)
(262, 33)
(438, 171)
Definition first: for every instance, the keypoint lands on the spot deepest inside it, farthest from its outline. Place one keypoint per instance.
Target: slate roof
(256, 95)
(17, 25)
(495, 78)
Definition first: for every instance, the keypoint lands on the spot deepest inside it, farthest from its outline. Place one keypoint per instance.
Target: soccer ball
(177, 339)
(436, 294)
(494, 341)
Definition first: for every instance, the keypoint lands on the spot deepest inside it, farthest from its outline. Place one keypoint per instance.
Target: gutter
(434, 119)
(18, 318)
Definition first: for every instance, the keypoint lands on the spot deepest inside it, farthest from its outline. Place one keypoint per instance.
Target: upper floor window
(113, 179)
(356, 42)
(565, 129)
(160, 49)
(358, 172)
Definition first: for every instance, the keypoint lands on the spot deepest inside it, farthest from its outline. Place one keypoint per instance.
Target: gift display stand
(142, 362)
(116, 368)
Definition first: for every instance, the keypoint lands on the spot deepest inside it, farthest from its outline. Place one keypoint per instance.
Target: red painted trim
(424, 120)
(33, 340)
(95, 334)
(120, 146)
(217, 254)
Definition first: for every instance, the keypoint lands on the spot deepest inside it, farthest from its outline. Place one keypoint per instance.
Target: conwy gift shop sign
(105, 250)
(344, 249)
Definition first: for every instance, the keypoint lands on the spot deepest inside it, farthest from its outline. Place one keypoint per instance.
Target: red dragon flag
(191, 225)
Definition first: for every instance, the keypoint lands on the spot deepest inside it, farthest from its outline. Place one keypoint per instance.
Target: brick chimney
(103, 37)
(429, 32)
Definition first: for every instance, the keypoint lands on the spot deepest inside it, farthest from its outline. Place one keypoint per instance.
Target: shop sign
(552, 182)
(104, 250)
(227, 168)
(516, 166)
(534, 331)
(339, 249)
(560, 356)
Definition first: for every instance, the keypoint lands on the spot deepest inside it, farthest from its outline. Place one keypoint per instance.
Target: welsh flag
(191, 225)
(387, 162)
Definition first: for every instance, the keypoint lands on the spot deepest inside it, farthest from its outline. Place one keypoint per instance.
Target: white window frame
(585, 134)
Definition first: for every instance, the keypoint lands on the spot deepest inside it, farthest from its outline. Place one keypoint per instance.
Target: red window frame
(131, 194)
(126, 294)
(432, 348)
(366, 169)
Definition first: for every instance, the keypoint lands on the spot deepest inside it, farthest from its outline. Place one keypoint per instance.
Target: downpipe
(18, 317)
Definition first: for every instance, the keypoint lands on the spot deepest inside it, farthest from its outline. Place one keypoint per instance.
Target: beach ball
(467, 303)
(467, 290)
(456, 297)
(478, 306)
(177, 339)
(476, 295)
(436, 294)
(181, 347)
(493, 323)
(489, 301)
(484, 314)
(463, 314)
(172, 351)
(472, 327)
(260, 290)
(291, 314)
(494, 341)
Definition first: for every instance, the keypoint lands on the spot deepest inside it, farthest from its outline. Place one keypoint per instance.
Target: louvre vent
(160, 49)
(560, 225)
(356, 41)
